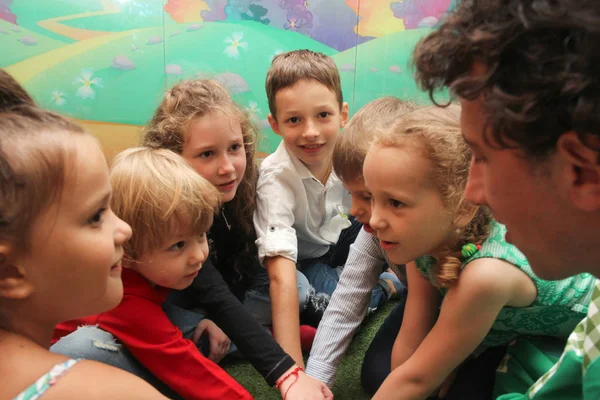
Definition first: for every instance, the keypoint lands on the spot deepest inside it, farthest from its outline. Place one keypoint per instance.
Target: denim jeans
(320, 276)
(258, 303)
(93, 343)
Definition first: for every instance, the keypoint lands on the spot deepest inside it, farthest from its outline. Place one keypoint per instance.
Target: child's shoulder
(116, 384)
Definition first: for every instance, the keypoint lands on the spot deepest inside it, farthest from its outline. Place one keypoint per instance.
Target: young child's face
(308, 120)
(74, 265)
(361, 202)
(407, 212)
(215, 149)
(177, 263)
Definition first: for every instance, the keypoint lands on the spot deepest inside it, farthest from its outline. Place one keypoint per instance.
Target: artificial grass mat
(347, 384)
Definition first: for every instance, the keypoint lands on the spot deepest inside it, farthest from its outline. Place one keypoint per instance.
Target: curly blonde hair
(436, 132)
(193, 99)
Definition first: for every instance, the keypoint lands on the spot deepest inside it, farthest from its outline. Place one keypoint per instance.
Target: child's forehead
(305, 93)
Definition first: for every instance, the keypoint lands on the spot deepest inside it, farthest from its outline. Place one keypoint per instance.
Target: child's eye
(206, 154)
(293, 120)
(324, 114)
(366, 196)
(177, 246)
(201, 237)
(97, 217)
(236, 147)
(396, 203)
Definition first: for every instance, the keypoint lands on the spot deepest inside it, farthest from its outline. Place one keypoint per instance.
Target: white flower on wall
(235, 42)
(58, 97)
(85, 80)
(253, 111)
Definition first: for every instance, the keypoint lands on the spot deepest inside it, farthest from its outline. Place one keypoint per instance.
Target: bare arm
(284, 305)
(420, 313)
(468, 312)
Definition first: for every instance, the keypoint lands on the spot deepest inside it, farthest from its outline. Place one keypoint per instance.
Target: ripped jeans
(93, 343)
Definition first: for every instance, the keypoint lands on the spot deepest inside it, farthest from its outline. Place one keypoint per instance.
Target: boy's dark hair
(541, 62)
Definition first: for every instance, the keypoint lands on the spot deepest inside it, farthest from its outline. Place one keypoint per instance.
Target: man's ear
(274, 124)
(581, 171)
(344, 113)
(13, 281)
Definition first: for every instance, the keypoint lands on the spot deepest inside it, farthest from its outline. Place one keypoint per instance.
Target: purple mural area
(331, 22)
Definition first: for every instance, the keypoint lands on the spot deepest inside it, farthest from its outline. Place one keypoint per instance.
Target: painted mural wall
(107, 63)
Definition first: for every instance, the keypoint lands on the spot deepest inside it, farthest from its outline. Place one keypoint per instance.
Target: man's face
(531, 200)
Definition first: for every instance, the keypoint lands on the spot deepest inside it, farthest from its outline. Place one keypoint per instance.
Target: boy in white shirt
(366, 259)
(299, 219)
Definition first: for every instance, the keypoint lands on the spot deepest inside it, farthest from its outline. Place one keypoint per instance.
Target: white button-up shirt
(297, 217)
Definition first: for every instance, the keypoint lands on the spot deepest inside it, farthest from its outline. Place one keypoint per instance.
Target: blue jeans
(318, 278)
(258, 303)
(93, 343)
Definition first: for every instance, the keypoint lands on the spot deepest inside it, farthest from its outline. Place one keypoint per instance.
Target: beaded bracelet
(294, 372)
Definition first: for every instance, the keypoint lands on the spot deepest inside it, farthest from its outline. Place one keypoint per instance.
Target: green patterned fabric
(557, 309)
(576, 375)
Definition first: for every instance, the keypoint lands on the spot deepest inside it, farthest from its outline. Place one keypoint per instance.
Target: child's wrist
(288, 378)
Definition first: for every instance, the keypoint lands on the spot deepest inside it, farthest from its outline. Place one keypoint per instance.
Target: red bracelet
(289, 387)
(294, 372)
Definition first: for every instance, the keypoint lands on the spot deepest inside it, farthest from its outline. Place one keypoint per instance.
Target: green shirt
(576, 375)
(556, 310)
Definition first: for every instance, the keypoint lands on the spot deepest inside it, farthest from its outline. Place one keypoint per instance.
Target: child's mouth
(387, 245)
(312, 148)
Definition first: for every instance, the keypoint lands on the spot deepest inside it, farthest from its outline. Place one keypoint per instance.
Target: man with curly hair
(526, 74)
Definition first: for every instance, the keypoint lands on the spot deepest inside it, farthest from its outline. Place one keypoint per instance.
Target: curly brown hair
(435, 132)
(192, 99)
(541, 59)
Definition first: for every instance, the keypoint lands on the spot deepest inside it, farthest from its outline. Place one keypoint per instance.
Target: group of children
(186, 251)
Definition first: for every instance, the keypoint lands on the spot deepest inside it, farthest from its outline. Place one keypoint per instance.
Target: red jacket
(140, 324)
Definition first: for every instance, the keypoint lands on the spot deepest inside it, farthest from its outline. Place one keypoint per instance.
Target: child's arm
(347, 307)
(277, 193)
(256, 343)
(146, 331)
(420, 313)
(468, 312)
(284, 305)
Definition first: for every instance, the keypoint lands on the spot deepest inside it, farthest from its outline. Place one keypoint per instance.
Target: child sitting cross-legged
(169, 207)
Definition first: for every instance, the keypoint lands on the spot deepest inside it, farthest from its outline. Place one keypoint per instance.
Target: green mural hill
(21, 45)
(149, 64)
(380, 72)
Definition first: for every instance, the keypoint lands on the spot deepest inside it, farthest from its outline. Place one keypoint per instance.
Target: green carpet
(347, 384)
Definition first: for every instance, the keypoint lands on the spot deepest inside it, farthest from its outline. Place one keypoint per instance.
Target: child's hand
(304, 388)
(219, 342)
